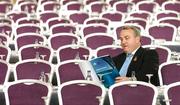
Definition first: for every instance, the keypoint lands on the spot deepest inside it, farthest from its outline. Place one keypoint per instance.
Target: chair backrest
(45, 15)
(29, 38)
(139, 21)
(162, 31)
(51, 6)
(63, 28)
(112, 50)
(148, 6)
(33, 69)
(171, 5)
(4, 40)
(14, 15)
(81, 92)
(98, 20)
(27, 28)
(5, 6)
(94, 28)
(165, 13)
(124, 6)
(79, 17)
(35, 51)
(146, 40)
(73, 6)
(113, 16)
(58, 40)
(96, 40)
(171, 94)
(169, 72)
(5, 53)
(56, 20)
(69, 70)
(4, 72)
(28, 7)
(175, 21)
(137, 92)
(97, 7)
(6, 29)
(28, 21)
(141, 14)
(69, 52)
(28, 92)
(164, 53)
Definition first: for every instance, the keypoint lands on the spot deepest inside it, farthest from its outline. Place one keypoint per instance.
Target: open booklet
(105, 70)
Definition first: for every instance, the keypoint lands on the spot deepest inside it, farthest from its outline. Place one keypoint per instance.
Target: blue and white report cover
(105, 69)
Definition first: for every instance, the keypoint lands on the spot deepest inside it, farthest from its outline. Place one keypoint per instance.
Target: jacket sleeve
(150, 65)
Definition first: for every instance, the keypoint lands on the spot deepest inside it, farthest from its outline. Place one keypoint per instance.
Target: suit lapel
(135, 62)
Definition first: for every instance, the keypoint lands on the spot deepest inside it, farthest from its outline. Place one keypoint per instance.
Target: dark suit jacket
(144, 62)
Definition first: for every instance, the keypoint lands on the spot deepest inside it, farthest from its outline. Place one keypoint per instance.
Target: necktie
(124, 68)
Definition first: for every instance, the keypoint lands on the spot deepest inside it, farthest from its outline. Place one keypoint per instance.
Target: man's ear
(138, 39)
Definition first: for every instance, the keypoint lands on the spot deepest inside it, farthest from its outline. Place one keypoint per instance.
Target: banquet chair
(96, 7)
(169, 73)
(94, 28)
(175, 21)
(15, 15)
(141, 14)
(89, 93)
(139, 21)
(28, 92)
(124, 6)
(162, 31)
(28, 7)
(61, 39)
(5, 6)
(69, 70)
(164, 14)
(5, 53)
(63, 28)
(146, 40)
(96, 40)
(35, 51)
(112, 50)
(51, 6)
(87, 2)
(57, 20)
(78, 18)
(98, 20)
(29, 38)
(64, 2)
(148, 6)
(132, 93)
(27, 28)
(45, 15)
(4, 40)
(28, 21)
(171, 94)
(73, 6)
(171, 5)
(164, 53)
(33, 69)
(77, 52)
(115, 17)
(4, 73)
(6, 29)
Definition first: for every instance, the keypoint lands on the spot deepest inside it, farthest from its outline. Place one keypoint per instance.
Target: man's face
(129, 41)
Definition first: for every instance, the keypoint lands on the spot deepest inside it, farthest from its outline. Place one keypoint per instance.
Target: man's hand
(121, 79)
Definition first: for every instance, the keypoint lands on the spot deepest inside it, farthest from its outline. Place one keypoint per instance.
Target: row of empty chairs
(32, 92)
